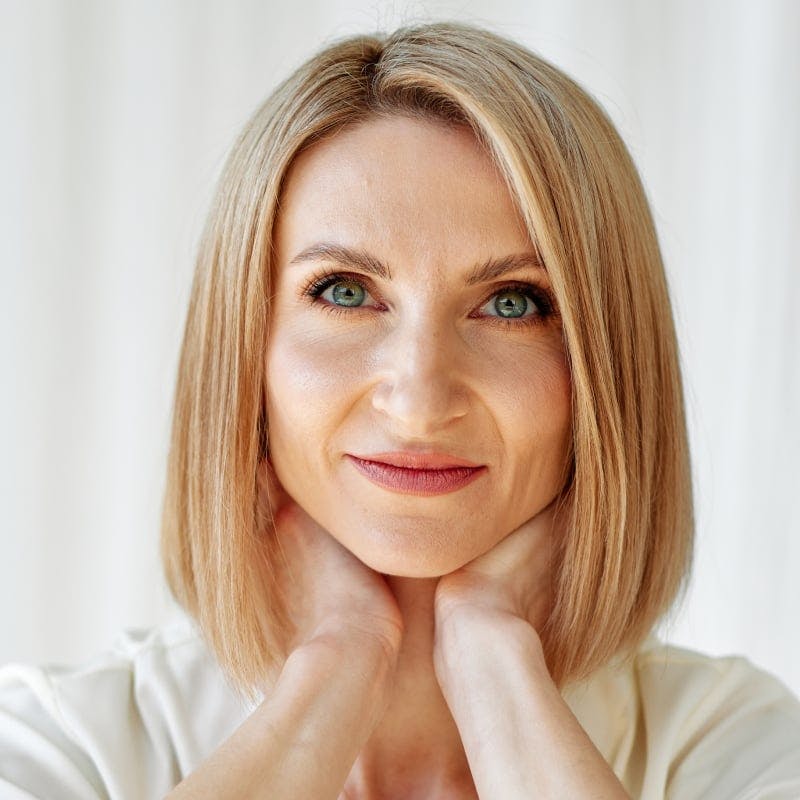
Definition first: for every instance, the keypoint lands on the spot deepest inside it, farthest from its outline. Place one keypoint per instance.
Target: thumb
(271, 494)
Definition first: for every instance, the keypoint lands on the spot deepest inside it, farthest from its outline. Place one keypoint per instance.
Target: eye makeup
(540, 298)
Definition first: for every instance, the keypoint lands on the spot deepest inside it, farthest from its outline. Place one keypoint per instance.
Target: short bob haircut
(628, 551)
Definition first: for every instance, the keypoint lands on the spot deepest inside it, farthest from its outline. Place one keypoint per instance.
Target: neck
(416, 750)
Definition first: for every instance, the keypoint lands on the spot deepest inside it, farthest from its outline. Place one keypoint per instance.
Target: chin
(414, 564)
(409, 571)
(412, 546)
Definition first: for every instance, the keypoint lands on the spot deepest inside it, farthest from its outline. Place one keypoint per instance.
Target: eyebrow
(480, 273)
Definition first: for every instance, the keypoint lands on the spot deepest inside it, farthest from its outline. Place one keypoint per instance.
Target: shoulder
(131, 722)
(687, 725)
(731, 728)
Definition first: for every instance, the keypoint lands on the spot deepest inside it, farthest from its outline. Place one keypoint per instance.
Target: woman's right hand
(334, 685)
(330, 595)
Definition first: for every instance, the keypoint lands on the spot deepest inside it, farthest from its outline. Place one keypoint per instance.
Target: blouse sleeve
(128, 724)
(739, 737)
(39, 756)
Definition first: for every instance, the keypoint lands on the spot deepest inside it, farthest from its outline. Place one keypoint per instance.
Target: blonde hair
(628, 551)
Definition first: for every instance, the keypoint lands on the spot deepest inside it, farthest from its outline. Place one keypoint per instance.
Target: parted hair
(627, 552)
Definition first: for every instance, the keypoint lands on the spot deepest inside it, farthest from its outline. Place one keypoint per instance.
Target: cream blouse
(133, 722)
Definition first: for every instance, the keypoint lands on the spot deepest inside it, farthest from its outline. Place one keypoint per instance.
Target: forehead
(399, 142)
(388, 178)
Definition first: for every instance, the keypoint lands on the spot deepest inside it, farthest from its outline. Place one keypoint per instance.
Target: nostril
(417, 414)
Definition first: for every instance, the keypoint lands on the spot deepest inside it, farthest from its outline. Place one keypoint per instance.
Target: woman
(429, 484)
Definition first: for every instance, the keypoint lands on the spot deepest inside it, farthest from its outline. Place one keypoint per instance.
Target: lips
(418, 460)
(415, 473)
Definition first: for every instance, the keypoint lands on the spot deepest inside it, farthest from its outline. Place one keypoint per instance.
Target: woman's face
(402, 352)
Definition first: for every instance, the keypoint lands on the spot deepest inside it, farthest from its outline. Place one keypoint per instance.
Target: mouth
(422, 480)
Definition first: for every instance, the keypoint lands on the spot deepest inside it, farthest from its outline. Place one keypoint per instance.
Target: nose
(422, 391)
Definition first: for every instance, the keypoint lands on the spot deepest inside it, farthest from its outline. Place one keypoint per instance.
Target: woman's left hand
(520, 737)
(512, 580)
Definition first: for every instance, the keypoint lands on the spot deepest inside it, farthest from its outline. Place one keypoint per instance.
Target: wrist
(470, 640)
(363, 655)
(358, 634)
(359, 672)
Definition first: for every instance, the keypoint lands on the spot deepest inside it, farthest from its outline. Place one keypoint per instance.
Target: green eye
(348, 293)
(510, 304)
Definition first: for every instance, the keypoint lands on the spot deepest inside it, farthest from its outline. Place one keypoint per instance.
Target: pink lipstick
(415, 474)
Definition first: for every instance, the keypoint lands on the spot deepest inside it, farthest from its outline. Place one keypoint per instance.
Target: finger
(271, 493)
(515, 547)
(271, 498)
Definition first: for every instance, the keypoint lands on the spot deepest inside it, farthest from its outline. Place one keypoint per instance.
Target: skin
(429, 203)
(453, 587)
(426, 679)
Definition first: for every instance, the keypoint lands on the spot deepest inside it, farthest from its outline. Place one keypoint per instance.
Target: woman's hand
(513, 579)
(330, 595)
(334, 685)
(521, 739)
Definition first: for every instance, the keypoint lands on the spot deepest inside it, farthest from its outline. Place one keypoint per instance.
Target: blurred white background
(116, 117)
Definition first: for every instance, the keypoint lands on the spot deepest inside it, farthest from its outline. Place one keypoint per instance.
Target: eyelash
(541, 297)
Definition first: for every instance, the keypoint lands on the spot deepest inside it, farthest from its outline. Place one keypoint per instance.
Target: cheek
(532, 402)
(307, 377)
(530, 382)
